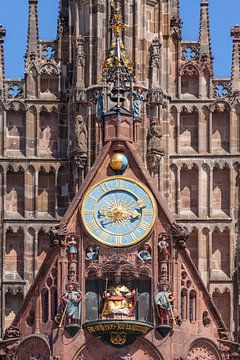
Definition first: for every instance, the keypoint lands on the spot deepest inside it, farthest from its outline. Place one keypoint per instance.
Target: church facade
(120, 168)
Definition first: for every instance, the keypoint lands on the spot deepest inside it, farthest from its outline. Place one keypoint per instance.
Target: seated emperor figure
(119, 300)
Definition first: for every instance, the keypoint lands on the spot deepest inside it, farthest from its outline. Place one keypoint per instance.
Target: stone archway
(33, 347)
(203, 349)
(141, 349)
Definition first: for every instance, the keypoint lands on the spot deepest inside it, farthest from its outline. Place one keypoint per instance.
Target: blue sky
(14, 17)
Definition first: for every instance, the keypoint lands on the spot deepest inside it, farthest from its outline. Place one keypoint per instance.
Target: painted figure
(92, 253)
(72, 250)
(163, 246)
(72, 300)
(144, 253)
(119, 300)
(164, 303)
(138, 98)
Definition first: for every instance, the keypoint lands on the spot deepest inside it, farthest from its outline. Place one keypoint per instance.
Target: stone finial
(204, 34)
(235, 33)
(33, 33)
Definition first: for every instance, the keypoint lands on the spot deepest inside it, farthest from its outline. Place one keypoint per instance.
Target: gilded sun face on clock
(118, 211)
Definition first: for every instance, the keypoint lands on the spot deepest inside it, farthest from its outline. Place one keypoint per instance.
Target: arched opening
(192, 244)
(192, 306)
(62, 181)
(43, 246)
(190, 81)
(221, 128)
(13, 301)
(15, 192)
(184, 304)
(223, 304)
(45, 305)
(221, 191)
(63, 124)
(46, 193)
(14, 255)
(189, 191)
(220, 265)
(48, 137)
(16, 133)
(189, 131)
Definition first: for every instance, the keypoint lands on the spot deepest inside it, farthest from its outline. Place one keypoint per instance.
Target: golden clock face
(118, 211)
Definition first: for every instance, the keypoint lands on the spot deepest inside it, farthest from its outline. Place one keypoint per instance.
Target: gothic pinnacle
(204, 33)
(235, 33)
(33, 35)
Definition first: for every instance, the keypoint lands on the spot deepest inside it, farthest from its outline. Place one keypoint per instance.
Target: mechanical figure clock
(118, 211)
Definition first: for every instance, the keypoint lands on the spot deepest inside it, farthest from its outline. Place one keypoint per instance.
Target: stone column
(178, 131)
(37, 132)
(36, 194)
(210, 116)
(234, 133)
(210, 191)
(178, 189)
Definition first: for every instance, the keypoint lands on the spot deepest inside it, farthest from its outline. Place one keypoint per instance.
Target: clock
(118, 211)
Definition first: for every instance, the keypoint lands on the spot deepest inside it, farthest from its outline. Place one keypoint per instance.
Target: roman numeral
(144, 226)
(92, 197)
(92, 225)
(133, 236)
(118, 240)
(147, 212)
(104, 187)
(119, 183)
(87, 212)
(103, 236)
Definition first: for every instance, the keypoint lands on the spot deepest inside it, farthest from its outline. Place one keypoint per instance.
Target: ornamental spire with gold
(118, 69)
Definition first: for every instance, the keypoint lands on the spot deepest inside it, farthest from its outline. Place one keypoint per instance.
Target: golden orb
(119, 162)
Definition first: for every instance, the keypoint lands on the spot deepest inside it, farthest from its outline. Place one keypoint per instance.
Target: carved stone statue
(119, 300)
(154, 149)
(138, 98)
(80, 142)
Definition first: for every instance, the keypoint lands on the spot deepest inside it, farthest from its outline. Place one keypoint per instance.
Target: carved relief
(203, 351)
(80, 142)
(154, 149)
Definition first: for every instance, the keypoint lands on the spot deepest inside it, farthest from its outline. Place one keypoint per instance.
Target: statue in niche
(98, 100)
(119, 300)
(154, 149)
(144, 254)
(164, 247)
(72, 250)
(92, 253)
(164, 304)
(72, 300)
(80, 142)
(138, 99)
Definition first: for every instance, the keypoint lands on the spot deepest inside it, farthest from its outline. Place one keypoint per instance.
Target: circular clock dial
(118, 211)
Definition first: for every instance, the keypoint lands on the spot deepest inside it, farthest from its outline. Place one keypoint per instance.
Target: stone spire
(2, 69)
(175, 8)
(204, 35)
(117, 69)
(33, 34)
(235, 33)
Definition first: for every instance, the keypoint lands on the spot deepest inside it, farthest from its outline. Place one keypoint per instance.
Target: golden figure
(119, 300)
